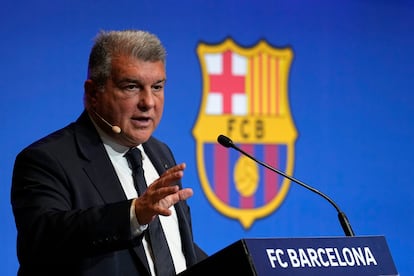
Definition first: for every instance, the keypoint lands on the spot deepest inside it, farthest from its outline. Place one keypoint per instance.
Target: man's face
(133, 99)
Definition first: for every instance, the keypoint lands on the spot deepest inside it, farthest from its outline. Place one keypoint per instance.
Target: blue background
(350, 92)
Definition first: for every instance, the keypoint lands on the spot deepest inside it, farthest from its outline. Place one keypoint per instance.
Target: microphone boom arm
(346, 226)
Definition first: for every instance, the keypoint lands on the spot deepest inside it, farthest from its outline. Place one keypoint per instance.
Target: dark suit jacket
(71, 213)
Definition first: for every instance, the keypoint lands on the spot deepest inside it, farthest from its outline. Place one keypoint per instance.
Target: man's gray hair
(108, 44)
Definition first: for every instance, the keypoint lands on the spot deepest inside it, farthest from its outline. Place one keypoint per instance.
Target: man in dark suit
(76, 207)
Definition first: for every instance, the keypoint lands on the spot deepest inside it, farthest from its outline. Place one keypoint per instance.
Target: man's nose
(146, 99)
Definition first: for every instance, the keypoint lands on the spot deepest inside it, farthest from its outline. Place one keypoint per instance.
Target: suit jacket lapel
(99, 167)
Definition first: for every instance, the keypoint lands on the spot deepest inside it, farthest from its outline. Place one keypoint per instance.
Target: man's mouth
(141, 121)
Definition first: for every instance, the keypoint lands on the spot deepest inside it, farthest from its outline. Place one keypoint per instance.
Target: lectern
(337, 256)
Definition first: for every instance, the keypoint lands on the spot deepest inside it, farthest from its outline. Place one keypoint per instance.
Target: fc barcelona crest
(245, 97)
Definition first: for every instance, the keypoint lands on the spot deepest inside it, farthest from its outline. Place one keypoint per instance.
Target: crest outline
(283, 121)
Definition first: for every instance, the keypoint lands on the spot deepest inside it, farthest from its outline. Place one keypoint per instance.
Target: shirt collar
(113, 148)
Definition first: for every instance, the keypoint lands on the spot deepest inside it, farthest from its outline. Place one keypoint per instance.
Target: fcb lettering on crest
(245, 97)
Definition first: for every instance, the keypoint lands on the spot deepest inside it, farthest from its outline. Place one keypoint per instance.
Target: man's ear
(90, 90)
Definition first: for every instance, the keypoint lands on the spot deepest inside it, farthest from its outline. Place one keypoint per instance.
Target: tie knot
(134, 158)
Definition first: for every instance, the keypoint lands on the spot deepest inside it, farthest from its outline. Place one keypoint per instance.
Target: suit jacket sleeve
(63, 215)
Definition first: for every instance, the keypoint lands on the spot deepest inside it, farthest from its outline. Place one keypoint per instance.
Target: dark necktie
(160, 251)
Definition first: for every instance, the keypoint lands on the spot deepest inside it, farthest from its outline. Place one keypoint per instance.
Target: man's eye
(157, 87)
(131, 87)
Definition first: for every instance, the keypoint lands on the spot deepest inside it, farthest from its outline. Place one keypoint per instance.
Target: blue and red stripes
(220, 162)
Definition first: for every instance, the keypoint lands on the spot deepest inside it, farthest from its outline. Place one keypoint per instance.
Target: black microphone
(346, 226)
(115, 129)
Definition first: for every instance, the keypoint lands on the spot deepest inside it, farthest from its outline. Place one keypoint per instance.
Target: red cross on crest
(227, 83)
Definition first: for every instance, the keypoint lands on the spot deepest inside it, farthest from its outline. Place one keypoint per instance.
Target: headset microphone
(346, 226)
(115, 129)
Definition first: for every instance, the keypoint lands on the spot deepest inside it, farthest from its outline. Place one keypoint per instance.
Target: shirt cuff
(136, 228)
